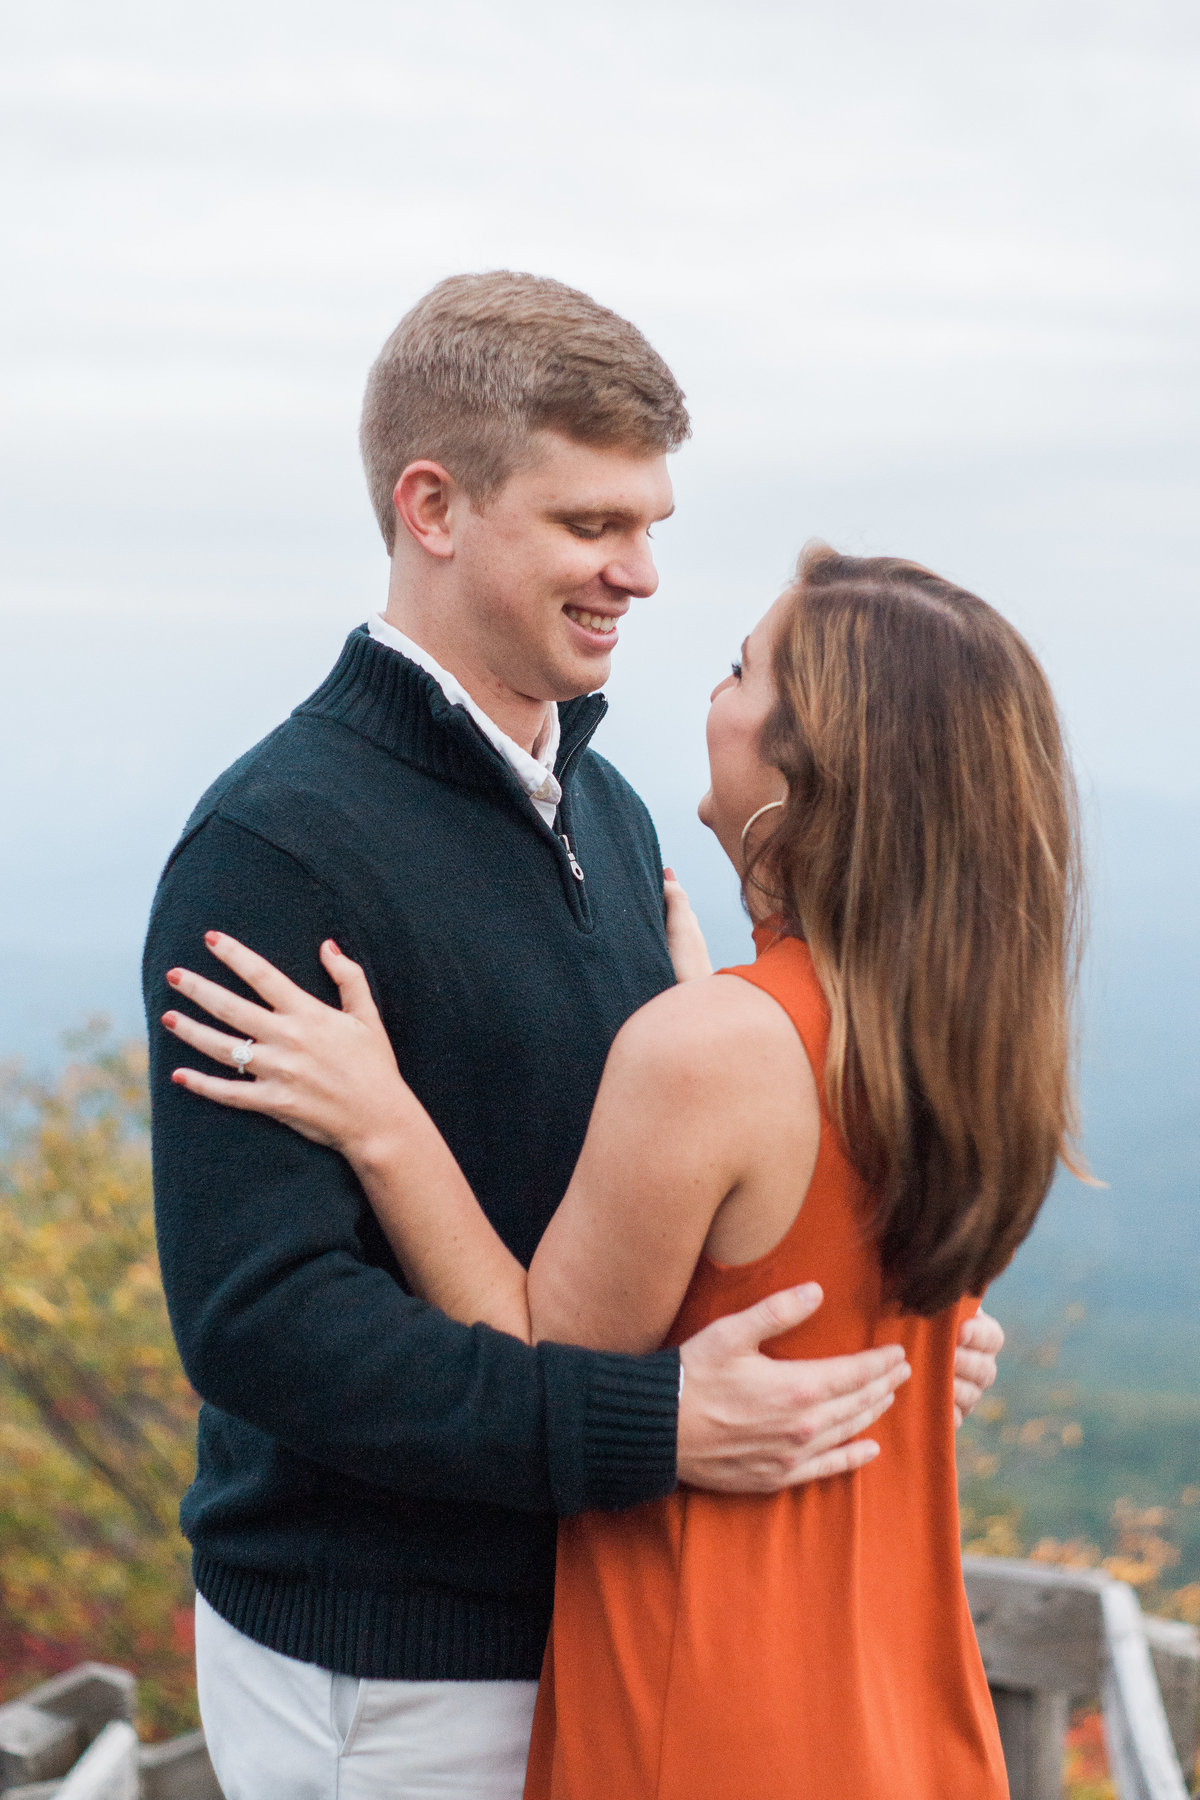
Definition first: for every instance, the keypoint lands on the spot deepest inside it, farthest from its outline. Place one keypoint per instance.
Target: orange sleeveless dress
(813, 1645)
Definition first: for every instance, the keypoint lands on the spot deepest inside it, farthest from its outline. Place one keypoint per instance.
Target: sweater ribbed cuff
(627, 1426)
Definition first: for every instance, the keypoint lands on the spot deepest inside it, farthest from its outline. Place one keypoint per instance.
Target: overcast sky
(928, 272)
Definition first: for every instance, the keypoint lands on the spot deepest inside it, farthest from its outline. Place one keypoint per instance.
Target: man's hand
(751, 1424)
(980, 1341)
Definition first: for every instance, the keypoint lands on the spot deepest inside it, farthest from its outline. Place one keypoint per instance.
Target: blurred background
(929, 275)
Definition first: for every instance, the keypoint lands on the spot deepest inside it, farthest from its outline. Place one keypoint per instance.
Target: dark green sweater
(377, 1486)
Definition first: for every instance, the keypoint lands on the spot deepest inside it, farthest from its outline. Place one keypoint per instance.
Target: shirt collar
(534, 772)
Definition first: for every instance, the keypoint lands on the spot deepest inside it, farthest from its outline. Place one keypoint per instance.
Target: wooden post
(34, 1746)
(1140, 1752)
(91, 1694)
(43, 1733)
(1033, 1726)
(179, 1770)
(109, 1770)
(1175, 1653)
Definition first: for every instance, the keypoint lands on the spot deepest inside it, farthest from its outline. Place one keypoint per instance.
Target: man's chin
(584, 676)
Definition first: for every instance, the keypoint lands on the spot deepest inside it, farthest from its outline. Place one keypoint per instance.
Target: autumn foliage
(1085, 1765)
(97, 1422)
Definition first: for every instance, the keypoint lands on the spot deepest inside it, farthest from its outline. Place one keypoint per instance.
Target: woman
(880, 1100)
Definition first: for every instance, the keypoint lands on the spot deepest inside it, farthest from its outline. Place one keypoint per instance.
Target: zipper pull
(576, 871)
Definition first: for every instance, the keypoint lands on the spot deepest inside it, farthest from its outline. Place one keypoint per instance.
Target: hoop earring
(769, 807)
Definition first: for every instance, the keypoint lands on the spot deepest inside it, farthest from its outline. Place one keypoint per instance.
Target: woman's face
(740, 781)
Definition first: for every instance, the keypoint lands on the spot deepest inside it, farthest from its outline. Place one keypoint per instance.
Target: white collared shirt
(534, 772)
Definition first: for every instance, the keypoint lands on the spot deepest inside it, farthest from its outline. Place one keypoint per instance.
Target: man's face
(549, 567)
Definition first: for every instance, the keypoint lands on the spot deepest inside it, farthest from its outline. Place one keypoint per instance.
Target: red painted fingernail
(179, 1078)
(333, 947)
(174, 977)
(210, 938)
(170, 1020)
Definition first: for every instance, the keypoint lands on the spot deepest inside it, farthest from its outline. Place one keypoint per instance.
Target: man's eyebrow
(624, 515)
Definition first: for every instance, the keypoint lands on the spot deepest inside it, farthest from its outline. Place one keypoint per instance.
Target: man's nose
(633, 572)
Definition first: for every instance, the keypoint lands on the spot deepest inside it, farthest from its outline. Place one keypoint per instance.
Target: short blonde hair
(485, 361)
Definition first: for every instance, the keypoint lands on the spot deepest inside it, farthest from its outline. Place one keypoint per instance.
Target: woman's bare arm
(332, 1076)
(441, 1237)
(687, 1106)
(676, 1124)
(669, 1138)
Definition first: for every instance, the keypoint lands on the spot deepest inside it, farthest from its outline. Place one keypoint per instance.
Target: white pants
(278, 1729)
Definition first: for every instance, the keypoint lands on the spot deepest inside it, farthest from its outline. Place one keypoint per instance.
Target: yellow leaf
(27, 1299)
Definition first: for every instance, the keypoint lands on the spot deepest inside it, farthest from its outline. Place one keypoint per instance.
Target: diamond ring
(241, 1054)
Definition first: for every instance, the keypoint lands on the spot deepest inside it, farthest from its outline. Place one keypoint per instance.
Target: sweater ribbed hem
(422, 1634)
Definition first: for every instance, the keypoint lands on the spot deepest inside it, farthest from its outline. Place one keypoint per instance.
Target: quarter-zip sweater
(377, 1486)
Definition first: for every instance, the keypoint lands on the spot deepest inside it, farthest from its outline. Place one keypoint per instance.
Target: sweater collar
(390, 701)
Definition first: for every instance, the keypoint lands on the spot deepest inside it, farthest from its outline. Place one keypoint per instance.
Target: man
(373, 1515)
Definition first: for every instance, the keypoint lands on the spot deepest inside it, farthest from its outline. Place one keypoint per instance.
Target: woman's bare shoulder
(717, 1029)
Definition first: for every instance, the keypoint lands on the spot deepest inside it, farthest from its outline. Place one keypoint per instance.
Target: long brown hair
(928, 851)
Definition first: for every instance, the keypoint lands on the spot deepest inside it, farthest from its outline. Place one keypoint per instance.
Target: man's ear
(422, 498)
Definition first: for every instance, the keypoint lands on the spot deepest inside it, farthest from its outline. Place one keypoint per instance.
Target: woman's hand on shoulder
(685, 940)
(331, 1075)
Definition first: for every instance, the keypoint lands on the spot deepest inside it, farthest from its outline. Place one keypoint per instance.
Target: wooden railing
(1053, 1636)
(73, 1739)
(1049, 1637)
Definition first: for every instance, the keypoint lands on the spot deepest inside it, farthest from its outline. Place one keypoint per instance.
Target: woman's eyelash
(737, 670)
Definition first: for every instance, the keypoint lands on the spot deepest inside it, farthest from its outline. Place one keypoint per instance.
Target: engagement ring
(241, 1054)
